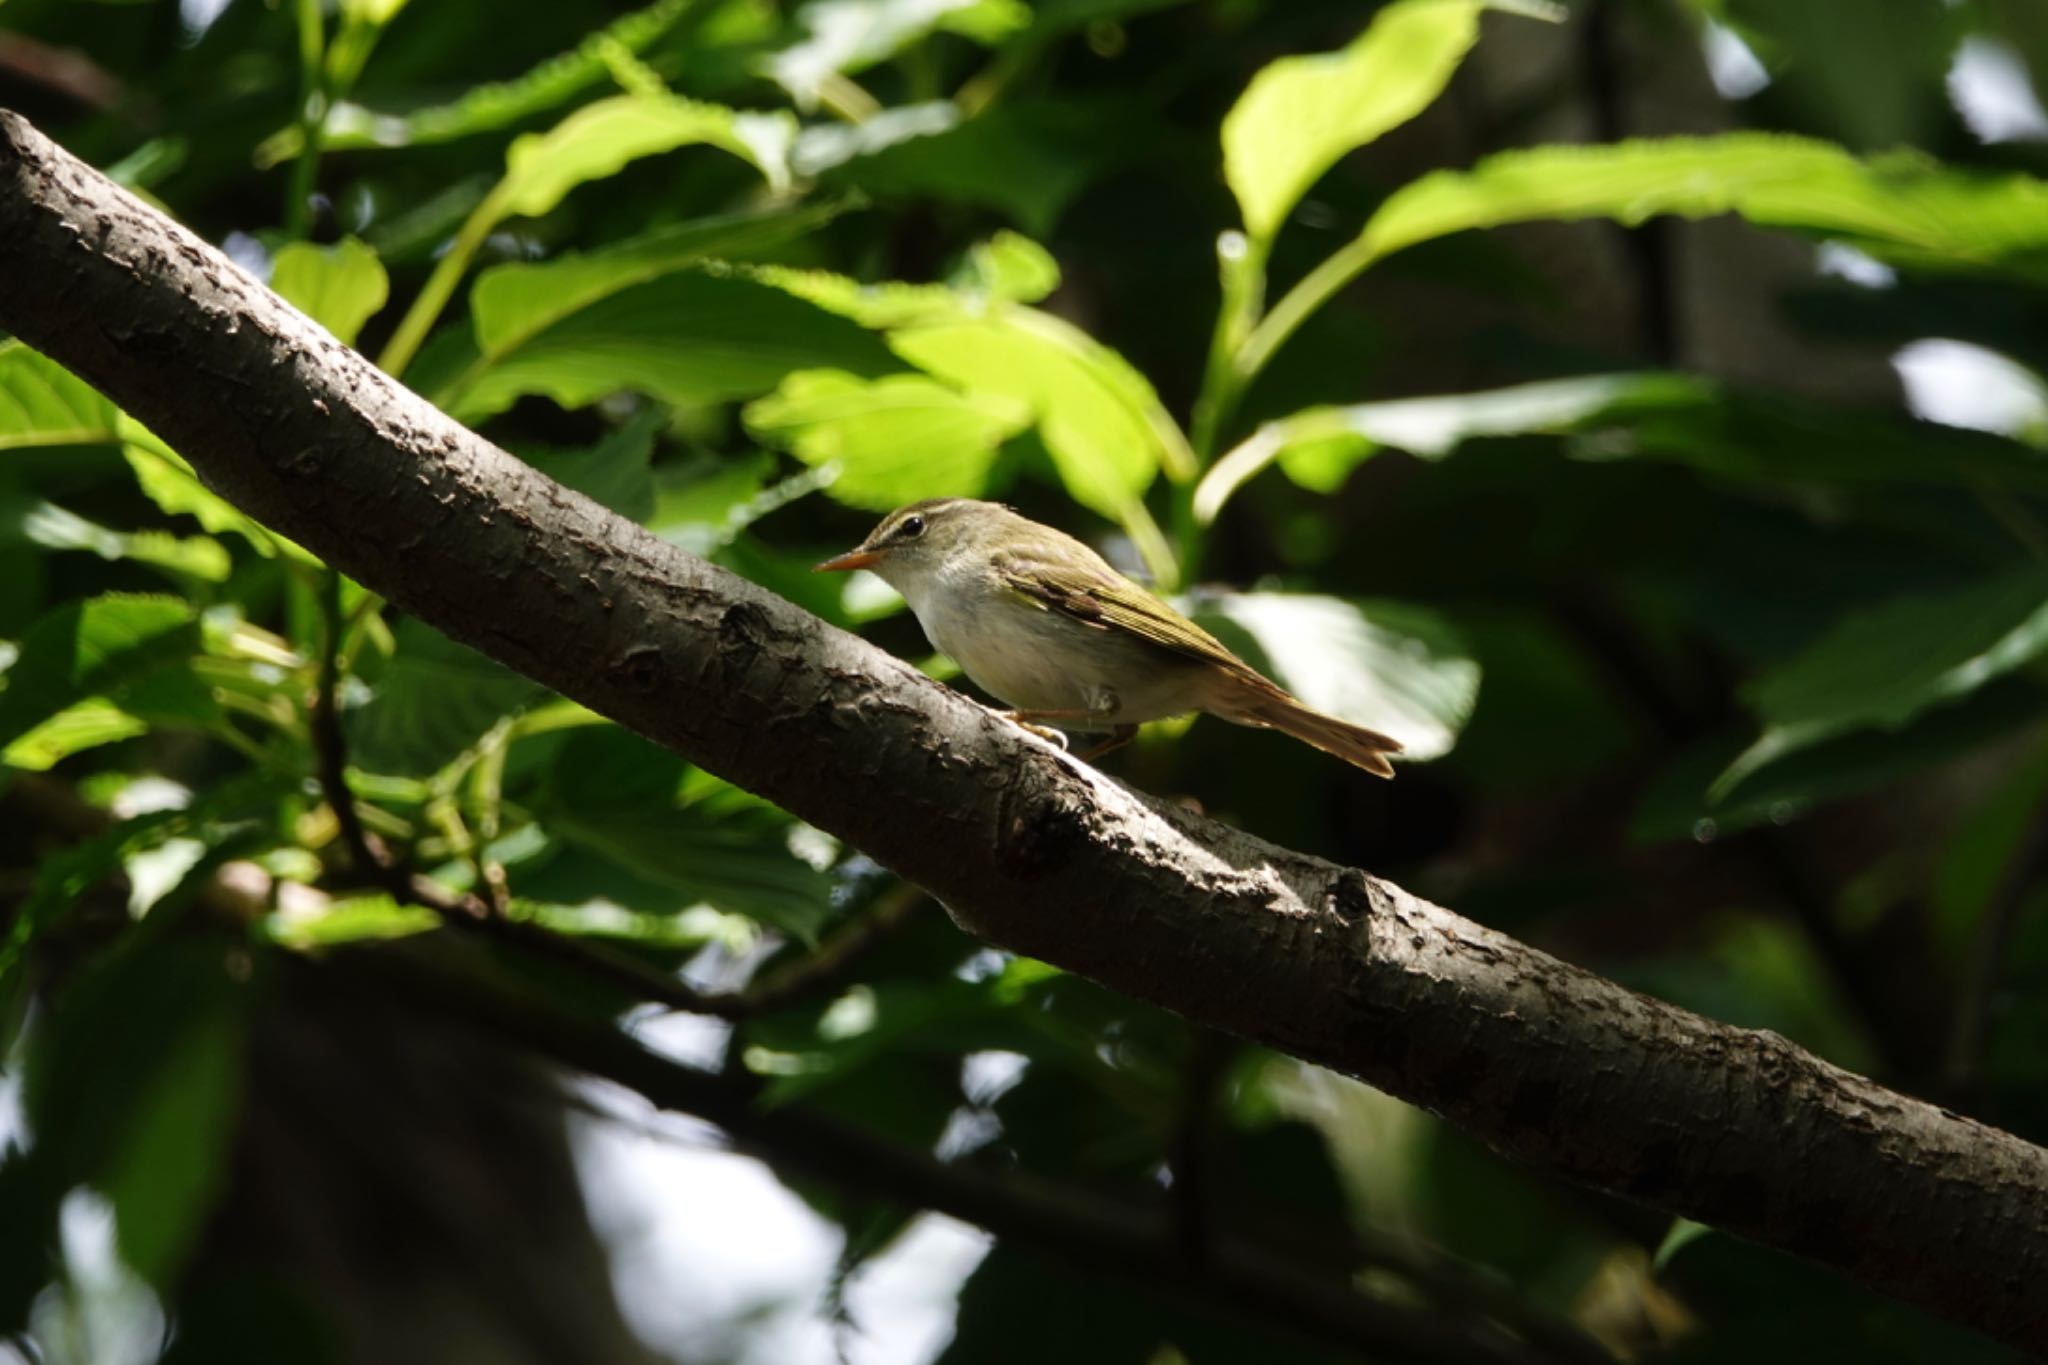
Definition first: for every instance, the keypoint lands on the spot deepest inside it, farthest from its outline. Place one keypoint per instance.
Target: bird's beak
(857, 558)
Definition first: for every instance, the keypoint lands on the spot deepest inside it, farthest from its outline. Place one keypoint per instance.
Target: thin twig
(330, 747)
(819, 970)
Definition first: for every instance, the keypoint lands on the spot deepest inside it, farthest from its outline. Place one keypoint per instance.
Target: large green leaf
(844, 36)
(513, 303)
(1900, 207)
(1318, 447)
(434, 699)
(1102, 424)
(485, 108)
(1391, 666)
(1657, 416)
(600, 138)
(1885, 665)
(134, 651)
(44, 404)
(639, 807)
(1300, 114)
(689, 338)
(891, 440)
(340, 286)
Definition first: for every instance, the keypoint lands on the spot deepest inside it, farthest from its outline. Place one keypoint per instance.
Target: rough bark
(1028, 848)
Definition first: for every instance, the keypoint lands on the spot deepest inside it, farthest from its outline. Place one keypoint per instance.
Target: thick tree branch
(1027, 848)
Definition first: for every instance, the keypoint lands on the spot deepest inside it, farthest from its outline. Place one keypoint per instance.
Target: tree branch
(1027, 848)
(1083, 1230)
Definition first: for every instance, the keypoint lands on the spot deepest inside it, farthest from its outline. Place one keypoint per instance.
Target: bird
(1044, 624)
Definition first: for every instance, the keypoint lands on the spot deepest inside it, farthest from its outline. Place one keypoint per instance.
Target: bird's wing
(1108, 601)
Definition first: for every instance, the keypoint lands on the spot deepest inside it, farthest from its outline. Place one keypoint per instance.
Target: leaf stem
(312, 119)
(426, 306)
(1314, 290)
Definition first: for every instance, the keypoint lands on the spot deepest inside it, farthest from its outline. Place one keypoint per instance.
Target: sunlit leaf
(1901, 207)
(54, 528)
(1884, 665)
(135, 651)
(892, 440)
(82, 725)
(1318, 447)
(43, 404)
(169, 482)
(1012, 267)
(357, 920)
(688, 338)
(485, 108)
(822, 146)
(1390, 666)
(1300, 114)
(845, 36)
(340, 287)
(1101, 422)
(515, 302)
(600, 138)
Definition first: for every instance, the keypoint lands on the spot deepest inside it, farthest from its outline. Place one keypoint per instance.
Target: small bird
(1042, 622)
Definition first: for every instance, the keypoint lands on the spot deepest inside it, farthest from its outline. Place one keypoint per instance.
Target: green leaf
(1882, 666)
(434, 699)
(891, 440)
(1902, 207)
(1683, 1233)
(1300, 114)
(340, 287)
(135, 651)
(599, 139)
(613, 794)
(844, 36)
(1318, 447)
(516, 302)
(1104, 427)
(174, 486)
(616, 471)
(485, 108)
(53, 528)
(1388, 665)
(357, 920)
(1026, 160)
(1012, 267)
(136, 1084)
(44, 404)
(83, 725)
(690, 338)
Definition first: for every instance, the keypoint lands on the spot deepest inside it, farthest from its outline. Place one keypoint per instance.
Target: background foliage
(1634, 406)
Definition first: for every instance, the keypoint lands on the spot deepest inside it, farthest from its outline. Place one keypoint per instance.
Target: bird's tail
(1276, 710)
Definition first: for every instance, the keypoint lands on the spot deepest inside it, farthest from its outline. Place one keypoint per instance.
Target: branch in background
(1191, 1156)
(1082, 1230)
(2023, 877)
(1026, 847)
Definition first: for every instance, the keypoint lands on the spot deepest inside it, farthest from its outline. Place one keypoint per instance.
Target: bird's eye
(910, 528)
